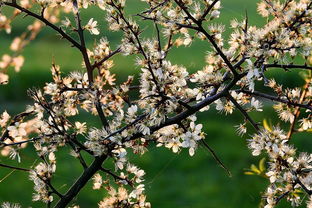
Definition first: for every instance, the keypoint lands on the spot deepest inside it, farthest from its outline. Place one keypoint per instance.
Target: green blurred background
(172, 180)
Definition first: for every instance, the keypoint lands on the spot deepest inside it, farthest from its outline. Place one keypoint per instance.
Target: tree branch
(273, 98)
(3, 144)
(116, 177)
(193, 109)
(98, 64)
(83, 48)
(207, 10)
(14, 168)
(288, 66)
(81, 182)
(243, 111)
(297, 109)
(48, 23)
(215, 156)
(209, 37)
(304, 187)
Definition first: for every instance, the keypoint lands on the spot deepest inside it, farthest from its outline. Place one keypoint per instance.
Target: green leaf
(266, 125)
(262, 167)
(249, 173)
(255, 169)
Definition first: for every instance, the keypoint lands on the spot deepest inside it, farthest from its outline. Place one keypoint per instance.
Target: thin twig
(288, 66)
(99, 63)
(139, 47)
(281, 197)
(208, 36)
(14, 168)
(48, 182)
(51, 25)
(3, 144)
(83, 48)
(243, 111)
(297, 110)
(215, 156)
(207, 10)
(155, 7)
(116, 177)
(274, 98)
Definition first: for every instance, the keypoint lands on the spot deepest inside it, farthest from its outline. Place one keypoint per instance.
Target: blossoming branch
(169, 96)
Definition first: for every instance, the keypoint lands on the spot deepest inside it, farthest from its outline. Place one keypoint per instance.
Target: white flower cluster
(288, 173)
(41, 177)
(175, 138)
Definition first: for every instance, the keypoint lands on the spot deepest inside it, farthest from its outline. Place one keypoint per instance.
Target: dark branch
(209, 37)
(98, 64)
(243, 111)
(14, 168)
(83, 48)
(81, 182)
(101, 115)
(207, 10)
(281, 197)
(215, 156)
(288, 66)
(42, 19)
(304, 187)
(155, 7)
(175, 119)
(274, 98)
(116, 177)
(3, 144)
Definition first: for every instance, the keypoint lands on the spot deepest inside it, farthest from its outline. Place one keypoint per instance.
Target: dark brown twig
(215, 156)
(81, 182)
(42, 19)
(243, 111)
(14, 168)
(275, 98)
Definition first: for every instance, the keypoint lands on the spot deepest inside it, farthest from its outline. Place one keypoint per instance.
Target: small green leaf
(249, 173)
(262, 167)
(255, 169)
(266, 125)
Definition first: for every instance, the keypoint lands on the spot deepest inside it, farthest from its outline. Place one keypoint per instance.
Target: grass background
(172, 180)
